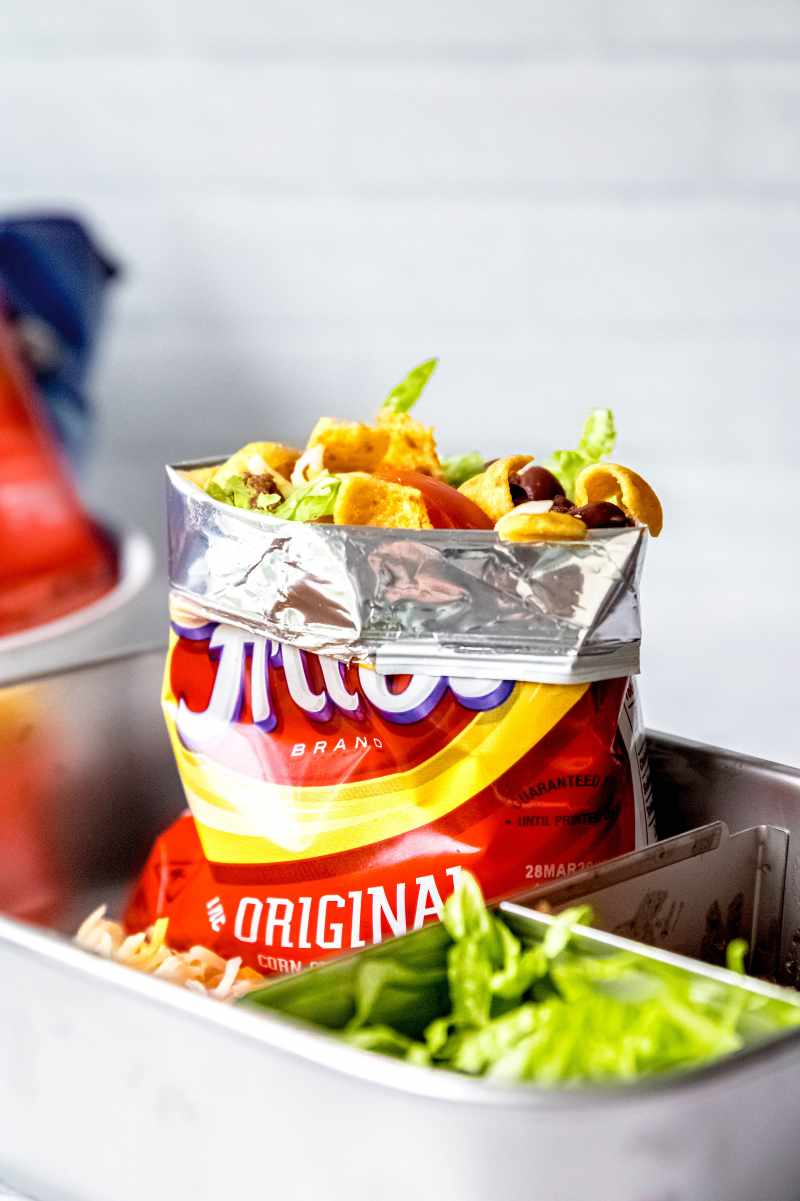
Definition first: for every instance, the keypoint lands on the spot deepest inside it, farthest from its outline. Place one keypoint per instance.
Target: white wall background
(588, 202)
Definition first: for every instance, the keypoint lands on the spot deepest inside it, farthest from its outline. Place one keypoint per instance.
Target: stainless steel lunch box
(117, 1087)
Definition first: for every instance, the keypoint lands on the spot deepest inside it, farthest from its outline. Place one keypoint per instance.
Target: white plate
(135, 558)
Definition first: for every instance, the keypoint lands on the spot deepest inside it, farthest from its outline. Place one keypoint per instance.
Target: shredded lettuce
(474, 997)
(234, 492)
(460, 468)
(599, 435)
(267, 502)
(465, 914)
(310, 503)
(403, 398)
(735, 956)
(381, 983)
(597, 440)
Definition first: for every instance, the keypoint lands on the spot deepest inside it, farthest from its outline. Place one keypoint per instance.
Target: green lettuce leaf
(403, 398)
(235, 492)
(418, 1054)
(477, 1050)
(465, 913)
(518, 976)
(310, 503)
(460, 468)
(598, 436)
(560, 932)
(385, 989)
(735, 955)
(597, 440)
(380, 1038)
(469, 974)
(437, 1034)
(267, 502)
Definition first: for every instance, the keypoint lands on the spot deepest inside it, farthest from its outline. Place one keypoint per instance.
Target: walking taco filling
(389, 474)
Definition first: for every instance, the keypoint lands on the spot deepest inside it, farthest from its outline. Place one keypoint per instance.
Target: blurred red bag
(53, 560)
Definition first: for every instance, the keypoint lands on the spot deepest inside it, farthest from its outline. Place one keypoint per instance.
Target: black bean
(601, 515)
(533, 483)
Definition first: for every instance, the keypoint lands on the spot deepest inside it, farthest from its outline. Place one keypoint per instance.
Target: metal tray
(116, 1087)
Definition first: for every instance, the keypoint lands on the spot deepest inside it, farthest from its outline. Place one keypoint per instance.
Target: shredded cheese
(199, 969)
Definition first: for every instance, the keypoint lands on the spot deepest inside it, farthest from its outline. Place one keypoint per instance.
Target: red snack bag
(332, 806)
(53, 560)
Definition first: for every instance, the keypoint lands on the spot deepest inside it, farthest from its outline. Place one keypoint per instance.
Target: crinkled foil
(441, 602)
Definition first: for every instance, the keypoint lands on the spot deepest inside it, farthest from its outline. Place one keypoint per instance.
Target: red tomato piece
(448, 509)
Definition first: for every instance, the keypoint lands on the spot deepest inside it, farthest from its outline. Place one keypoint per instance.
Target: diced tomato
(448, 509)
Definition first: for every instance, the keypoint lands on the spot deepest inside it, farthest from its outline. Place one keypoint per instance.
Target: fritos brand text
(238, 651)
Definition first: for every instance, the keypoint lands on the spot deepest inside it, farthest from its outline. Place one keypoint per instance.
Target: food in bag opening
(390, 475)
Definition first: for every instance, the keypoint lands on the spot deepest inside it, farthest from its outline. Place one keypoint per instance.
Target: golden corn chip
(540, 527)
(412, 445)
(349, 445)
(279, 457)
(364, 500)
(490, 490)
(624, 488)
(199, 475)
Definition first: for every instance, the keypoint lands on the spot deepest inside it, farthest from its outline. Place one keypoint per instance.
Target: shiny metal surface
(695, 783)
(692, 893)
(105, 1074)
(135, 563)
(88, 778)
(443, 602)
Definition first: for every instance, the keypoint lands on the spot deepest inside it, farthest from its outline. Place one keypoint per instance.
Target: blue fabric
(53, 274)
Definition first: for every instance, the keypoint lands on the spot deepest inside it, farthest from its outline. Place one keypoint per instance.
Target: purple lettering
(480, 694)
(237, 651)
(417, 700)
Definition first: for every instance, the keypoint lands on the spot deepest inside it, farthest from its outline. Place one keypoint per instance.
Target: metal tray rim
(292, 1037)
(676, 742)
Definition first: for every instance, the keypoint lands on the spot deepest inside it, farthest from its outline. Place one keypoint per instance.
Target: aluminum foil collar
(441, 602)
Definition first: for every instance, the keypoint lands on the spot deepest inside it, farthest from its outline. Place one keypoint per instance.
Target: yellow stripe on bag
(243, 819)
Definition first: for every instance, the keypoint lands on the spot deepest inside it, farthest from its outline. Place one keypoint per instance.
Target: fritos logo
(235, 651)
(273, 711)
